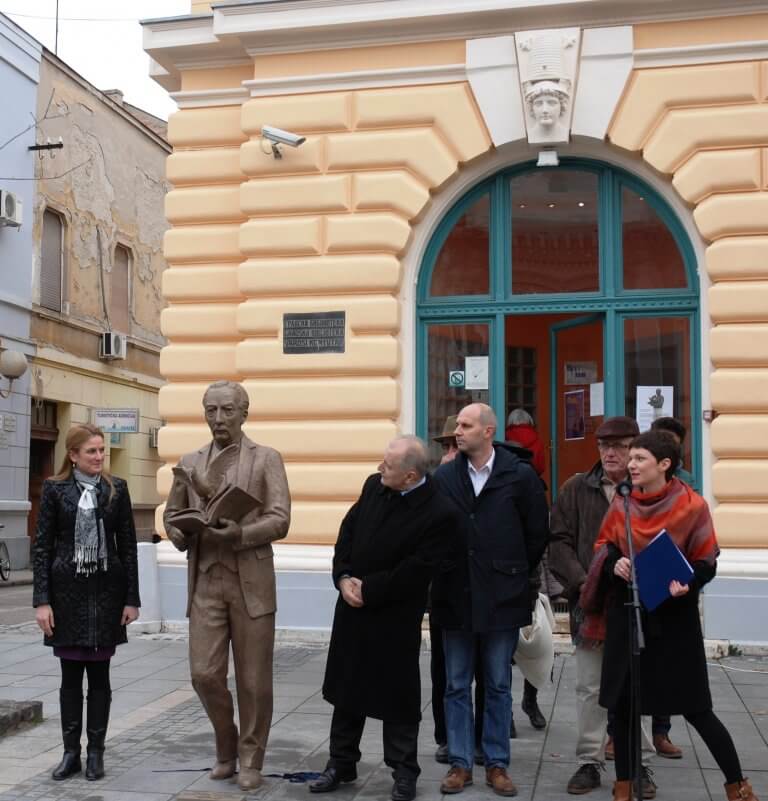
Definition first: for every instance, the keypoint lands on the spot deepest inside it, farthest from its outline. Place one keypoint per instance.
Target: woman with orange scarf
(673, 668)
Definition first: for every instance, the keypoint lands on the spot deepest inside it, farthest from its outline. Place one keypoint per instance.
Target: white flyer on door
(596, 399)
(653, 402)
(476, 372)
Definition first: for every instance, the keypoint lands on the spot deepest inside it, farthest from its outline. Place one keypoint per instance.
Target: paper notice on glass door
(476, 372)
(654, 402)
(596, 399)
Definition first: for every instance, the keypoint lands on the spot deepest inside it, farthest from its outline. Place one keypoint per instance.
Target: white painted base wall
(735, 603)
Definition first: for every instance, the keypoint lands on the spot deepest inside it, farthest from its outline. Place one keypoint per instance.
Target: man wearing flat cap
(575, 523)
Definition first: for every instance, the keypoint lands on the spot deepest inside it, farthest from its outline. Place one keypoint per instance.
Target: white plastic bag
(535, 652)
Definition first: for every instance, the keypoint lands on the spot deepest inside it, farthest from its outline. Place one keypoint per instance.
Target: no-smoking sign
(456, 378)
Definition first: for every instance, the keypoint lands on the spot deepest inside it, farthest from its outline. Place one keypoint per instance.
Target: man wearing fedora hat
(575, 523)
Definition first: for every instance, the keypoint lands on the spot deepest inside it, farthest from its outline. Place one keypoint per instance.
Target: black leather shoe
(70, 765)
(404, 789)
(512, 729)
(441, 755)
(531, 708)
(329, 780)
(94, 765)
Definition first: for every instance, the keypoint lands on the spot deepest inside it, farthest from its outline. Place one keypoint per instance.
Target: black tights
(72, 674)
(710, 728)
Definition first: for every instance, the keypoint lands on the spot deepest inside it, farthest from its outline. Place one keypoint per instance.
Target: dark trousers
(709, 727)
(660, 724)
(400, 743)
(437, 672)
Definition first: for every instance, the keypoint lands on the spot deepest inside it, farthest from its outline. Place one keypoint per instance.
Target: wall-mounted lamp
(273, 137)
(13, 365)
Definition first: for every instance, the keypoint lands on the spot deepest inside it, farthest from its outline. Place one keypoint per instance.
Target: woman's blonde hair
(77, 436)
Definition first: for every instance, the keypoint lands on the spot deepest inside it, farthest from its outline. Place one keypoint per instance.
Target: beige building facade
(461, 241)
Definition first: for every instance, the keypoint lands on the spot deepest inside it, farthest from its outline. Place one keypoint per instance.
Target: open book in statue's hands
(230, 503)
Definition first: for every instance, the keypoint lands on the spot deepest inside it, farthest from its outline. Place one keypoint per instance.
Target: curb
(14, 713)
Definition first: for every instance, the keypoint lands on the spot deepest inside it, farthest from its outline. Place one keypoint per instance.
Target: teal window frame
(612, 300)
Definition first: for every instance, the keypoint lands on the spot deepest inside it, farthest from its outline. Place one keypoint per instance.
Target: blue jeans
(497, 649)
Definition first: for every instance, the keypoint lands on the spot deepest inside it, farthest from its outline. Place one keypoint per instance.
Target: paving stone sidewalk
(160, 742)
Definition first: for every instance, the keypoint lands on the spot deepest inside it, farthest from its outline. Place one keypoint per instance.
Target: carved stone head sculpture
(547, 102)
(547, 62)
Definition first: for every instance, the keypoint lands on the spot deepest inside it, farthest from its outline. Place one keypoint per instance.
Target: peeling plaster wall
(116, 183)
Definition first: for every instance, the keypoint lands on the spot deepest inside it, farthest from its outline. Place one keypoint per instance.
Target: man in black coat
(399, 533)
(485, 600)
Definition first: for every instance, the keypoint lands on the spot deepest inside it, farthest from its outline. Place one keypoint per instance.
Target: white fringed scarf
(90, 540)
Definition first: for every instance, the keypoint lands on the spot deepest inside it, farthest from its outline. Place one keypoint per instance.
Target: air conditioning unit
(10, 208)
(154, 432)
(112, 345)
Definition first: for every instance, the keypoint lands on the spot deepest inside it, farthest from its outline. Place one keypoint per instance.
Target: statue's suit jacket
(260, 472)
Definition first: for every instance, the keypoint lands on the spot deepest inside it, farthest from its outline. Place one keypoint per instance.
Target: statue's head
(546, 102)
(225, 404)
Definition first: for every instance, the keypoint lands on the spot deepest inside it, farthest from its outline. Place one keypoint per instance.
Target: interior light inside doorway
(548, 158)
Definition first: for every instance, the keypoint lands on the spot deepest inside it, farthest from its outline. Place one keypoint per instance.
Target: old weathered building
(98, 227)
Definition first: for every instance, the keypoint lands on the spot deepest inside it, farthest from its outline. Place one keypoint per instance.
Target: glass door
(458, 372)
(658, 378)
(577, 395)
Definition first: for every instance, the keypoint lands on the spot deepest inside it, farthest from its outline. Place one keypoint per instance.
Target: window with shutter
(119, 298)
(52, 261)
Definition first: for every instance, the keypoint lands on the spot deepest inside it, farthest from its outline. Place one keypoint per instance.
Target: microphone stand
(637, 645)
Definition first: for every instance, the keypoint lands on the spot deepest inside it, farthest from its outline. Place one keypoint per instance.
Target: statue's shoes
(249, 778)
(223, 770)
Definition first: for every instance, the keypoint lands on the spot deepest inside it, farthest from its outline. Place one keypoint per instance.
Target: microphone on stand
(624, 488)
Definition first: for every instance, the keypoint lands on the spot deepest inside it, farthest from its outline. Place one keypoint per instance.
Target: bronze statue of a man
(231, 576)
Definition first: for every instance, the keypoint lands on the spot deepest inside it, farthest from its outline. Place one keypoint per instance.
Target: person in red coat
(522, 431)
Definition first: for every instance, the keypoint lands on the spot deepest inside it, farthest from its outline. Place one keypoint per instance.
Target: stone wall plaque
(314, 332)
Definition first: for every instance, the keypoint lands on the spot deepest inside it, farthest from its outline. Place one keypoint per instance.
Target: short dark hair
(662, 445)
(671, 424)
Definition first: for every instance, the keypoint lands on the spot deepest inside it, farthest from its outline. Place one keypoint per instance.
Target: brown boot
(498, 778)
(456, 780)
(666, 748)
(740, 791)
(223, 770)
(249, 778)
(622, 791)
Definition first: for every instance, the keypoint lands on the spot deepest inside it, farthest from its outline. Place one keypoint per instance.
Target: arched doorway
(570, 292)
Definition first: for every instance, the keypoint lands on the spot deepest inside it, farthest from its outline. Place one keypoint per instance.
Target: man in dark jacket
(485, 600)
(575, 523)
(391, 543)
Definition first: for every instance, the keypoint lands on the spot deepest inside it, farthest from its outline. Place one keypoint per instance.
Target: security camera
(274, 137)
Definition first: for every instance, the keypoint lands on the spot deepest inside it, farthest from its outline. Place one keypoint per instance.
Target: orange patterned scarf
(676, 508)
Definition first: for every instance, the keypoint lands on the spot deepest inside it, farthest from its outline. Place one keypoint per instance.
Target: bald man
(399, 533)
(484, 601)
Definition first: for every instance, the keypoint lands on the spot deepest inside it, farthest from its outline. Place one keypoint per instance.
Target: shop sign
(117, 421)
(318, 332)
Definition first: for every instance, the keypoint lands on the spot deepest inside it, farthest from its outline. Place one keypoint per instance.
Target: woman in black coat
(673, 669)
(86, 588)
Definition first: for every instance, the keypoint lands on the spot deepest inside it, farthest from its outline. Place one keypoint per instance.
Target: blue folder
(659, 563)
